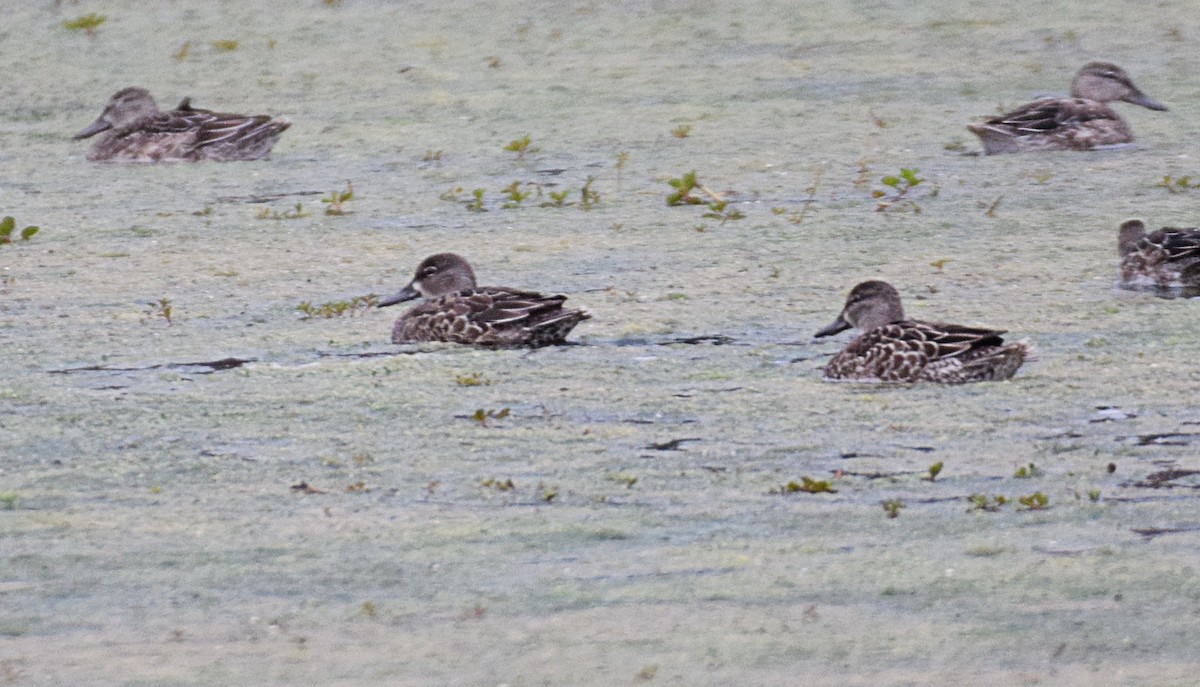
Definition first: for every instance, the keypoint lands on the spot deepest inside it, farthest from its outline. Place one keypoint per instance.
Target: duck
(893, 348)
(133, 129)
(456, 310)
(1166, 260)
(1083, 121)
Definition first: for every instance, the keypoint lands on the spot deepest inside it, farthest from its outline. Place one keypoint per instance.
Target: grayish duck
(1083, 121)
(1166, 260)
(133, 129)
(457, 310)
(893, 348)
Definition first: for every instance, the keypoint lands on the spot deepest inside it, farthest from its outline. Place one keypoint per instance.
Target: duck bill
(1139, 98)
(406, 294)
(93, 129)
(839, 325)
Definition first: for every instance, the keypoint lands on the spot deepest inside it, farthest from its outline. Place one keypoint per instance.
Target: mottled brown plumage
(1083, 121)
(893, 348)
(456, 310)
(1166, 260)
(133, 129)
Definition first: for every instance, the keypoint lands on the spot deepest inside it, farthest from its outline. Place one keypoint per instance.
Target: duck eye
(429, 270)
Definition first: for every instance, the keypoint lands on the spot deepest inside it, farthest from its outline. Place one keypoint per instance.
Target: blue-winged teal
(1081, 122)
(133, 129)
(895, 349)
(458, 311)
(1166, 260)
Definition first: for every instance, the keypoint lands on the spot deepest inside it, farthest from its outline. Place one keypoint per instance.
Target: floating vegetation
(160, 308)
(864, 172)
(1178, 185)
(1027, 471)
(934, 471)
(225, 46)
(983, 502)
(432, 155)
(991, 209)
(518, 192)
(900, 186)
(181, 54)
(549, 493)
(337, 198)
(892, 507)
(1035, 501)
(471, 379)
(718, 210)
(558, 199)
(296, 213)
(8, 225)
(811, 190)
(619, 167)
(332, 309)
(452, 195)
(624, 479)
(684, 186)
(682, 131)
(521, 146)
(482, 416)
(516, 196)
(958, 145)
(476, 205)
(588, 197)
(498, 485)
(88, 23)
(807, 485)
(9, 500)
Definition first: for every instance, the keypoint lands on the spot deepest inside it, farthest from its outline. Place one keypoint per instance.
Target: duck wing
(1047, 115)
(1176, 243)
(490, 316)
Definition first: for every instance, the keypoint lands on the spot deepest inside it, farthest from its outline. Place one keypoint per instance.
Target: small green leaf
(28, 232)
(7, 225)
(891, 181)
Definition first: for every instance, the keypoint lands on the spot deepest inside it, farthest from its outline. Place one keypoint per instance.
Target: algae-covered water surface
(216, 469)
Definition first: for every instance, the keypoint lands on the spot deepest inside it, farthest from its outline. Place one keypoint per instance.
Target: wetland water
(622, 523)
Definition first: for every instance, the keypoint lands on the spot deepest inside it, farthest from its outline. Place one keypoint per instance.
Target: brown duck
(133, 129)
(1166, 260)
(1083, 121)
(893, 348)
(457, 310)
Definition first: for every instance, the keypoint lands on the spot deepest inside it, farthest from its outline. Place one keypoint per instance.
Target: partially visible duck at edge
(133, 129)
(893, 348)
(458, 311)
(1166, 260)
(1084, 121)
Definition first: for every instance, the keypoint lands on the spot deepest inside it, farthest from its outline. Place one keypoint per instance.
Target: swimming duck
(457, 310)
(133, 129)
(1081, 122)
(893, 348)
(1166, 260)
